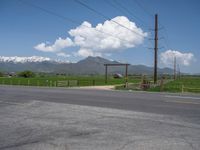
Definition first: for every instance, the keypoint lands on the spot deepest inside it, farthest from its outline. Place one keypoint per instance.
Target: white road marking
(182, 97)
(11, 103)
(183, 102)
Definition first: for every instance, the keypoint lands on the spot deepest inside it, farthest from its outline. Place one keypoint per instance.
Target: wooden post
(126, 74)
(161, 84)
(174, 67)
(93, 82)
(106, 76)
(155, 48)
(182, 88)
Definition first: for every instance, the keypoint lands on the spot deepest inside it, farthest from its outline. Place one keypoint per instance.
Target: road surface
(58, 118)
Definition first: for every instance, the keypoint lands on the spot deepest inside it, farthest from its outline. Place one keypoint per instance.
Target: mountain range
(89, 65)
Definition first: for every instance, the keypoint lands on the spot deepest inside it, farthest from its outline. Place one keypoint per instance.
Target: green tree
(26, 74)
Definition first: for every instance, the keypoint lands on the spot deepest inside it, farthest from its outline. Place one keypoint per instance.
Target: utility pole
(179, 72)
(155, 48)
(126, 74)
(175, 68)
(106, 74)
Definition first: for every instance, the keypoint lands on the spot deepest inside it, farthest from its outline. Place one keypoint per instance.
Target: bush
(1, 74)
(26, 74)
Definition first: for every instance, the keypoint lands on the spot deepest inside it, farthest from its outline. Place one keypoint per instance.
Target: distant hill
(90, 65)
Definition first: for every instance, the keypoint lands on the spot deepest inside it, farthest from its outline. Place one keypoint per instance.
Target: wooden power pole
(174, 67)
(156, 48)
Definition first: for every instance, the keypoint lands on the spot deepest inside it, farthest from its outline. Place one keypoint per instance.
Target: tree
(26, 74)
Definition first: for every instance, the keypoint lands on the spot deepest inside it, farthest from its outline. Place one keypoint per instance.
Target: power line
(104, 16)
(66, 18)
(166, 39)
(48, 11)
(145, 10)
(122, 9)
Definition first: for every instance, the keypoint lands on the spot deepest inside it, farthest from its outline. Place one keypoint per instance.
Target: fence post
(182, 88)
(67, 82)
(161, 84)
(28, 82)
(19, 82)
(93, 82)
(55, 83)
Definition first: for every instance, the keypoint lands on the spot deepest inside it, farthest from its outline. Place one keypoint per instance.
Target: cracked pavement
(37, 125)
(72, 119)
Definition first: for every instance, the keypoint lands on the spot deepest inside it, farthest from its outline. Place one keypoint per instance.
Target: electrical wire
(67, 19)
(145, 10)
(104, 16)
(130, 12)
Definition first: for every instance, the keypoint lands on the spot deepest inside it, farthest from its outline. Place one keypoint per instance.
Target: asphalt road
(158, 103)
(63, 119)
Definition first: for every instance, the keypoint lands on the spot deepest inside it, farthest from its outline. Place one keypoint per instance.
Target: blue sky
(23, 27)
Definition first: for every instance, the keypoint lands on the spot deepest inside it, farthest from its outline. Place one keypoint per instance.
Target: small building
(117, 75)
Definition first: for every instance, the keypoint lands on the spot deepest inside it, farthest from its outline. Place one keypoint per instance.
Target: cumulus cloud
(167, 57)
(57, 47)
(104, 38)
(87, 52)
(108, 37)
(62, 54)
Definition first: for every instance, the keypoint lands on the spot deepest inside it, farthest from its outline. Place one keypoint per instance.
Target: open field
(66, 81)
(185, 84)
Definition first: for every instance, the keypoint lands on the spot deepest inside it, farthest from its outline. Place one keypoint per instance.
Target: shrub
(26, 74)
(1, 74)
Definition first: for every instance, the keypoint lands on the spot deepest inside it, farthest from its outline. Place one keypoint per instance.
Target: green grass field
(70, 80)
(185, 84)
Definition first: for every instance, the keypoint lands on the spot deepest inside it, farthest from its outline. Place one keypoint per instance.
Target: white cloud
(56, 47)
(104, 38)
(108, 37)
(62, 54)
(167, 58)
(87, 52)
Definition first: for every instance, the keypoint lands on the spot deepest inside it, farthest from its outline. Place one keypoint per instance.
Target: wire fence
(61, 82)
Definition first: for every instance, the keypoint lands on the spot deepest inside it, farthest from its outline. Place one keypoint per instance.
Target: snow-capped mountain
(89, 65)
(16, 59)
